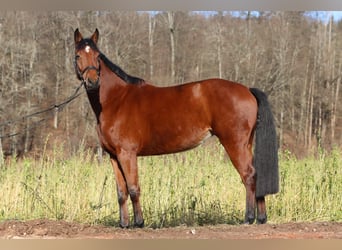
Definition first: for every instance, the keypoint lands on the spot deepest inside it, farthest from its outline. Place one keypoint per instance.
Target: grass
(198, 187)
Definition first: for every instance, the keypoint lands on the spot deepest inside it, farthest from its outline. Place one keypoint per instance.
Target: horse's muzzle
(91, 78)
(91, 84)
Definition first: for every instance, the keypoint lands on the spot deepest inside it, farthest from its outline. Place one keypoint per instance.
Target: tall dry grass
(197, 187)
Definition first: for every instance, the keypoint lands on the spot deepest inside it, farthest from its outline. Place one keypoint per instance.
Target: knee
(122, 197)
(134, 193)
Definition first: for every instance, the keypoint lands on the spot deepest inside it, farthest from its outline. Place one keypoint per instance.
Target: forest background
(295, 57)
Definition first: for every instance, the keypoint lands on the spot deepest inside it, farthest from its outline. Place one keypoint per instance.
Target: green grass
(197, 187)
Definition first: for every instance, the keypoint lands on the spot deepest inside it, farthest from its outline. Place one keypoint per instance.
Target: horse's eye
(77, 57)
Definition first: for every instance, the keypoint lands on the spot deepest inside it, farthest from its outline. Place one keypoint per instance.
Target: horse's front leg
(122, 192)
(129, 166)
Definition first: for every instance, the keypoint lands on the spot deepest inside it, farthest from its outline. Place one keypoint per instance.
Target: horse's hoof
(262, 220)
(139, 224)
(249, 221)
(124, 226)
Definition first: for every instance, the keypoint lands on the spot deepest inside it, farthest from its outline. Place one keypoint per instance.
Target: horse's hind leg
(241, 156)
(261, 210)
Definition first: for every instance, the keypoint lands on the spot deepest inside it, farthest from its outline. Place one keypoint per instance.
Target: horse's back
(210, 100)
(227, 97)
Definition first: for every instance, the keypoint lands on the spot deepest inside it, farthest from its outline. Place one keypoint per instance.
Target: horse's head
(87, 62)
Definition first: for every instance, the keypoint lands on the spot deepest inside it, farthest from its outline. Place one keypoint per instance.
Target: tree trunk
(1, 154)
(334, 107)
(303, 109)
(151, 28)
(310, 113)
(171, 23)
(219, 49)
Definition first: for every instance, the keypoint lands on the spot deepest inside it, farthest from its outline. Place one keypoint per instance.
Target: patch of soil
(48, 229)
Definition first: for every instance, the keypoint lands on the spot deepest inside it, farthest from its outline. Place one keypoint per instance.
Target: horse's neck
(111, 89)
(111, 86)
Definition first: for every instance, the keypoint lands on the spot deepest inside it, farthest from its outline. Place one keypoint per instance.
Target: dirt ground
(48, 229)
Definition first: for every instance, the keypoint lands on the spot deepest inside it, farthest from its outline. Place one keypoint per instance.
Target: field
(195, 189)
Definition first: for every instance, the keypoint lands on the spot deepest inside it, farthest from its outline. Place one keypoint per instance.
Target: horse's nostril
(92, 81)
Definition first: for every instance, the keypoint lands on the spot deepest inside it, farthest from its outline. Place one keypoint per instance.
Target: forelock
(86, 42)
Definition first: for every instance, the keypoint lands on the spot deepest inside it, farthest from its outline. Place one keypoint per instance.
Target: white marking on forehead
(87, 49)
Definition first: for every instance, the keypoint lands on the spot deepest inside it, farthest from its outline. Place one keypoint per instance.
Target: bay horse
(135, 118)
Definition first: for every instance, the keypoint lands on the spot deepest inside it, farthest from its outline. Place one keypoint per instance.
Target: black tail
(265, 158)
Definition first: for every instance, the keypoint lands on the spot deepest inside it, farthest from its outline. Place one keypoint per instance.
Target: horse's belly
(175, 142)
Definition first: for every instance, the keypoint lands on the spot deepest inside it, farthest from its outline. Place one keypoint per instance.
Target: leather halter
(88, 85)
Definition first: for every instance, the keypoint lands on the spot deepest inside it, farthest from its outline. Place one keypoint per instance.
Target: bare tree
(151, 30)
(171, 26)
(294, 58)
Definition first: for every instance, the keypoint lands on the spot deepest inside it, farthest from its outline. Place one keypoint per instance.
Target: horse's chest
(104, 139)
(115, 136)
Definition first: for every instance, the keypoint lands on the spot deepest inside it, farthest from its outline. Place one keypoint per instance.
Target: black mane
(119, 72)
(114, 68)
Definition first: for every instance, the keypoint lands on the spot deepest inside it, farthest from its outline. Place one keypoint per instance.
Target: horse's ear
(95, 36)
(77, 36)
